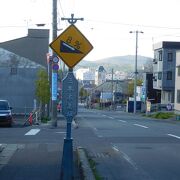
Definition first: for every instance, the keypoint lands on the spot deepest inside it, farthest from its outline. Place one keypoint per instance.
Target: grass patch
(93, 164)
(45, 119)
(162, 115)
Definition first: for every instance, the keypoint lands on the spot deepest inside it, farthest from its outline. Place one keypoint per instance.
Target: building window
(170, 56)
(169, 75)
(159, 75)
(13, 71)
(160, 55)
(178, 96)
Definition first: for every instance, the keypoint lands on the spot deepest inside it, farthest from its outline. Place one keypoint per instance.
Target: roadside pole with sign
(71, 46)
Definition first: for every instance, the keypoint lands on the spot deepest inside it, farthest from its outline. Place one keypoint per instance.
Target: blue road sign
(54, 86)
(55, 66)
(69, 96)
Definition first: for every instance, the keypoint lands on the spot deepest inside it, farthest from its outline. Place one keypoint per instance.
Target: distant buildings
(85, 75)
(100, 75)
(118, 75)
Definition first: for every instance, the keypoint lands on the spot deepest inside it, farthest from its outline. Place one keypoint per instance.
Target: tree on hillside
(42, 90)
(131, 87)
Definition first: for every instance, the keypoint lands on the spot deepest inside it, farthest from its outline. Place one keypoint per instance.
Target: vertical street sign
(54, 86)
(70, 96)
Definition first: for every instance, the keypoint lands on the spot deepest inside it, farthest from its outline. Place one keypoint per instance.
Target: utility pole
(135, 73)
(54, 72)
(112, 104)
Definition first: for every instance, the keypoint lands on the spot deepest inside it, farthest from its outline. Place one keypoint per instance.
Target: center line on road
(122, 121)
(141, 126)
(32, 132)
(172, 135)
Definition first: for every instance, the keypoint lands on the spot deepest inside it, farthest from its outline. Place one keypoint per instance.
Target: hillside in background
(121, 63)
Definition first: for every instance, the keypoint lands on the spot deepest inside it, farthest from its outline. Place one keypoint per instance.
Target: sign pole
(69, 110)
(71, 46)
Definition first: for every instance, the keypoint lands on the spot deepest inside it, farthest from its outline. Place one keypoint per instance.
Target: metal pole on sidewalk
(69, 110)
(135, 73)
(54, 72)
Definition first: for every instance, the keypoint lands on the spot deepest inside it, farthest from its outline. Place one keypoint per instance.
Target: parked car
(5, 113)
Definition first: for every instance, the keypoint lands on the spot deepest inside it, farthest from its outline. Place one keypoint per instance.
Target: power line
(60, 9)
(127, 24)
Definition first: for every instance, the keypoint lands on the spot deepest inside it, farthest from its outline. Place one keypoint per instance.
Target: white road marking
(172, 135)
(141, 126)
(61, 132)
(115, 148)
(110, 117)
(104, 115)
(95, 129)
(32, 132)
(126, 157)
(122, 121)
(100, 136)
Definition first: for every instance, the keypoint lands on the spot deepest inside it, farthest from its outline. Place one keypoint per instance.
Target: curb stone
(2, 146)
(84, 164)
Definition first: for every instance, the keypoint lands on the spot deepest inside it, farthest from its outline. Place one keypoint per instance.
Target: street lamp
(135, 73)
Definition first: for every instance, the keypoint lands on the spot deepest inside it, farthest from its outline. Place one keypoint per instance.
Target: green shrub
(45, 119)
(162, 115)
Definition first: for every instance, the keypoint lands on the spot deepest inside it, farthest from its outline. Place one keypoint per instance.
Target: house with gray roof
(20, 61)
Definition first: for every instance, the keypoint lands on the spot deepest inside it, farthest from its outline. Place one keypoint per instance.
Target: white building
(80, 73)
(177, 84)
(118, 75)
(85, 75)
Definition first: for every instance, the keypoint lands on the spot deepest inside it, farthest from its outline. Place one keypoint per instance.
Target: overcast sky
(106, 23)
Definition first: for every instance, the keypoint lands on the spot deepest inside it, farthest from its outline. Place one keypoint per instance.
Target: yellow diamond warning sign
(71, 46)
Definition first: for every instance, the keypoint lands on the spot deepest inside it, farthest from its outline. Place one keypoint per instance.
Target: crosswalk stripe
(32, 132)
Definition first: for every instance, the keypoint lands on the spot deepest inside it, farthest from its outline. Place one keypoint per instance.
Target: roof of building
(118, 86)
(34, 46)
(167, 44)
(100, 69)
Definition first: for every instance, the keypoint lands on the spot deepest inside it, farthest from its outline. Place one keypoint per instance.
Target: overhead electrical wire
(60, 9)
(127, 24)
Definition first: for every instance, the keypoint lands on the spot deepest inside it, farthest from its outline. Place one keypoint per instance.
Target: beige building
(177, 84)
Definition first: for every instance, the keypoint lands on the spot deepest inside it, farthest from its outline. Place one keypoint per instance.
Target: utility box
(130, 106)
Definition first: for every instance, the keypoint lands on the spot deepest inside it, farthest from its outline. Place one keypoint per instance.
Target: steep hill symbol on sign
(66, 48)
